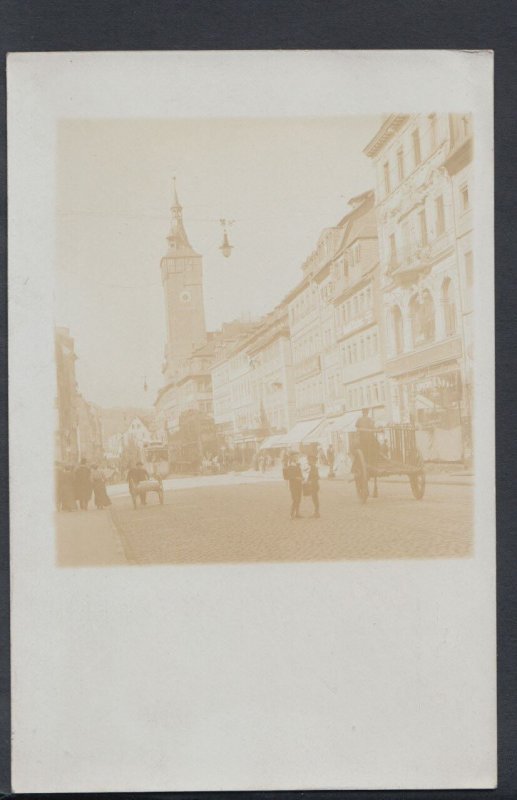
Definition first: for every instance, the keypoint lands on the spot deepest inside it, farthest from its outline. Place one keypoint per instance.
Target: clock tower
(182, 278)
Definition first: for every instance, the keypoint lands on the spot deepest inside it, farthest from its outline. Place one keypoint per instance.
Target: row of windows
(307, 346)
(355, 307)
(409, 158)
(206, 406)
(222, 405)
(276, 417)
(221, 377)
(422, 318)
(335, 386)
(421, 143)
(309, 392)
(241, 393)
(414, 231)
(360, 348)
(366, 394)
(306, 302)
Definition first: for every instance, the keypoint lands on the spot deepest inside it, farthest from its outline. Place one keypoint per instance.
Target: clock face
(185, 296)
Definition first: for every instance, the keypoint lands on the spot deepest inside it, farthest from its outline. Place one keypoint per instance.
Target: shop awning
(318, 433)
(301, 432)
(345, 422)
(273, 441)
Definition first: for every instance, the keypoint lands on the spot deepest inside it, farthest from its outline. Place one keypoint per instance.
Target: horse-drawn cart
(382, 452)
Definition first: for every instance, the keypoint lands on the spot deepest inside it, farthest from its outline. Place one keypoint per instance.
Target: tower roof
(179, 244)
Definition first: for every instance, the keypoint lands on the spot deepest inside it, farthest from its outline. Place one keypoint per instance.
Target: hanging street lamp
(226, 248)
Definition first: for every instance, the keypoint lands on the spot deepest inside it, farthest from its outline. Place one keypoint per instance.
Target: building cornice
(388, 129)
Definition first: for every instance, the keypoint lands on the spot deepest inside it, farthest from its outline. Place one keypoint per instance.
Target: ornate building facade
(420, 278)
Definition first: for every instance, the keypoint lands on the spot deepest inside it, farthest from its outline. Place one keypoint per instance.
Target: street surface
(245, 518)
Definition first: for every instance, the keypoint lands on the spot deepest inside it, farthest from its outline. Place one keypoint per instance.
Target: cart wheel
(360, 476)
(417, 479)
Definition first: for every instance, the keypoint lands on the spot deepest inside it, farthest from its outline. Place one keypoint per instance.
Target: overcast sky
(282, 180)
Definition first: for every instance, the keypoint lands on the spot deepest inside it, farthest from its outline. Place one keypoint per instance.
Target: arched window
(449, 307)
(398, 330)
(422, 318)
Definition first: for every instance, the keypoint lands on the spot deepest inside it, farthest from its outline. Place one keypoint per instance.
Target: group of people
(308, 484)
(212, 465)
(75, 485)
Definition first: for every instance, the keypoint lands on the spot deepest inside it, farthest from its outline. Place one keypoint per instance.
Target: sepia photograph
(251, 388)
(264, 339)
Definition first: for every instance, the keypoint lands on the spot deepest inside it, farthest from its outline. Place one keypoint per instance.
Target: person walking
(367, 439)
(99, 488)
(83, 484)
(293, 474)
(313, 482)
(134, 477)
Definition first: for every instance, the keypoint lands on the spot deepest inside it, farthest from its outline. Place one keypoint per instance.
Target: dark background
(47, 25)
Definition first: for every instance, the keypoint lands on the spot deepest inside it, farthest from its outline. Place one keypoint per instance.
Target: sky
(282, 180)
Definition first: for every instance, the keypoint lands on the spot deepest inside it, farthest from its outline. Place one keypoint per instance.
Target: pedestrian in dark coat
(293, 474)
(313, 481)
(99, 488)
(135, 476)
(83, 484)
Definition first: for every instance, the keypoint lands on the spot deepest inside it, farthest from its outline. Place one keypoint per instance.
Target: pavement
(244, 517)
(86, 537)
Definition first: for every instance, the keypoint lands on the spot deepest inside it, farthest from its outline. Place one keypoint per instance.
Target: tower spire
(177, 238)
(176, 202)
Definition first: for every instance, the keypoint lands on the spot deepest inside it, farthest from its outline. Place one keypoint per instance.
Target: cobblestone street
(250, 523)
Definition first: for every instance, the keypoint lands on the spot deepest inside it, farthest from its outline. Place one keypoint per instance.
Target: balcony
(418, 259)
(307, 367)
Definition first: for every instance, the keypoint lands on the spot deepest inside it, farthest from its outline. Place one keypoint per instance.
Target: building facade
(335, 333)
(459, 166)
(420, 280)
(317, 374)
(66, 423)
(253, 388)
(78, 423)
(358, 313)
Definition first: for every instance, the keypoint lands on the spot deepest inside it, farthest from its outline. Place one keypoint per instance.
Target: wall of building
(421, 280)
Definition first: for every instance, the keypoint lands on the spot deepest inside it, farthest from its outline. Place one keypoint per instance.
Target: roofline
(389, 127)
(280, 333)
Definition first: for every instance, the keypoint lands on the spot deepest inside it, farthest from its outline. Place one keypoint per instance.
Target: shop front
(432, 401)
